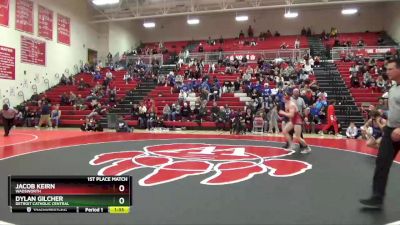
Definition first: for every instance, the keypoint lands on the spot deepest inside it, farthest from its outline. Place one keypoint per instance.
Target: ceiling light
(242, 18)
(149, 24)
(105, 2)
(290, 14)
(349, 11)
(193, 21)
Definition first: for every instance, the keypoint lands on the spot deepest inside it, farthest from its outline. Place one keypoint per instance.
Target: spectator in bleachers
(127, 78)
(135, 112)
(214, 112)
(72, 98)
(185, 112)
(297, 43)
(380, 83)
(277, 34)
(360, 42)
(303, 31)
(324, 36)
(221, 118)
(142, 115)
(96, 75)
(268, 34)
(250, 31)
(151, 118)
(241, 34)
(284, 45)
(175, 111)
(237, 85)
(45, 98)
(79, 103)
(64, 100)
(353, 70)
(308, 68)
(201, 48)
(309, 33)
(71, 80)
(367, 79)
(247, 77)
(56, 115)
(352, 131)
(354, 81)
(82, 85)
(333, 33)
(202, 112)
(35, 97)
(63, 80)
(167, 112)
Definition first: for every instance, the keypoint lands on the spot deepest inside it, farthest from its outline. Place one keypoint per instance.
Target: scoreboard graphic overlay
(69, 194)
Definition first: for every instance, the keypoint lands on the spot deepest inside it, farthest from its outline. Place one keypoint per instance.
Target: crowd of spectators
(362, 74)
(264, 84)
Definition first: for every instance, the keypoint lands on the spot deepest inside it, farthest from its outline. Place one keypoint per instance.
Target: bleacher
(370, 38)
(234, 44)
(72, 117)
(162, 95)
(236, 101)
(360, 95)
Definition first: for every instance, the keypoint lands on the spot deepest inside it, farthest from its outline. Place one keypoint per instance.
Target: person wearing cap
(295, 123)
(8, 116)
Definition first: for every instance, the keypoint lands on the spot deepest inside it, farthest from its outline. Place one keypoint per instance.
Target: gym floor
(193, 177)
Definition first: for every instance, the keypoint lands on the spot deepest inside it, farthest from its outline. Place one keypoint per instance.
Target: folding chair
(258, 125)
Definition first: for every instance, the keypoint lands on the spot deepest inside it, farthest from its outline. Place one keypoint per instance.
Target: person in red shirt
(331, 118)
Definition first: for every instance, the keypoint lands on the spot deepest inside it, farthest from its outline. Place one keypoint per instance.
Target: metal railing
(377, 52)
(147, 59)
(252, 56)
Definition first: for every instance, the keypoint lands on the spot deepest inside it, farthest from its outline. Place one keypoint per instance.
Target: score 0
(121, 200)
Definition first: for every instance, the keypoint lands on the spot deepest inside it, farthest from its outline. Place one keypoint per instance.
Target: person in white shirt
(352, 131)
(212, 68)
(297, 43)
(109, 75)
(127, 78)
(307, 68)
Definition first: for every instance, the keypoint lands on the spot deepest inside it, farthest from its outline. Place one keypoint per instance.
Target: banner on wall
(33, 51)
(45, 23)
(4, 12)
(7, 63)
(24, 15)
(63, 29)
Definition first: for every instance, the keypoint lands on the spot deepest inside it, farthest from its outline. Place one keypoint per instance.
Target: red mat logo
(226, 164)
